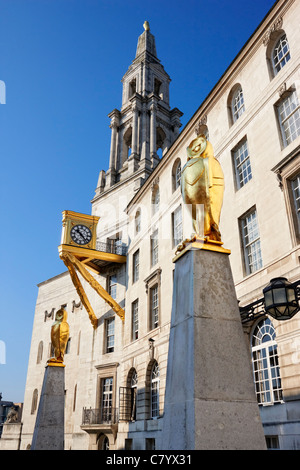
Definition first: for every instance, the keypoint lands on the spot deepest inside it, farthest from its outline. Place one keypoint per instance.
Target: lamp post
(280, 300)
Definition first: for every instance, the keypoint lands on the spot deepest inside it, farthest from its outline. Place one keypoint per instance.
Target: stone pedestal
(11, 436)
(210, 402)
(49, 425)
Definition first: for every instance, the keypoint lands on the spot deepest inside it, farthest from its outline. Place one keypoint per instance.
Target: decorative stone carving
(274, 27)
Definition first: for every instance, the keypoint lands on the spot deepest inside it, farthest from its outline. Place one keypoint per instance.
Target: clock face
(81, 234)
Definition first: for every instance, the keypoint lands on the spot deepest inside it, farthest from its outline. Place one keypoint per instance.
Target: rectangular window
(289, 118)
(296, 195)
(107, 397)
(154, 307)
(242, 165)
(251, 242)
(154, 248)
(112, 286)
(177, 226)
(272, 442)
(136, 266)
(135, 319)
(110, 335)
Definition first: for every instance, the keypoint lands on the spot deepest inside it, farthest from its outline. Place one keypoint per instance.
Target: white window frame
(289, 117)
(177, 226)
(237, 104)
(154, 306)
(135, 266)
(155, 200)
(112, 285)
(280, 54)
(135, 319)
(251, 242)
(154, 248)
(242, 164)
(107, 398)
(155, 381)
(265, 364)
(137, 221)
(110, 335)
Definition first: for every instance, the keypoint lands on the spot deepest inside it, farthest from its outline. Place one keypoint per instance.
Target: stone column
(153, 109)
(113, 141)
(134, 131)
(210, 402)
(49, 426)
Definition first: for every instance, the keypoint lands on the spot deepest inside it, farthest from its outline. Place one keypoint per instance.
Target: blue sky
(62, 62)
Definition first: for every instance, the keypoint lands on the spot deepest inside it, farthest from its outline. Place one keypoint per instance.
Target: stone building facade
(116, 373)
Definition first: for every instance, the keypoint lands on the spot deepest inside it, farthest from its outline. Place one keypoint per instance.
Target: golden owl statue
(202, 184)
(59, 336)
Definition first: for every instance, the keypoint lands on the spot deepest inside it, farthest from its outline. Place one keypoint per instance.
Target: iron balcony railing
(99, 416)
(113, 247)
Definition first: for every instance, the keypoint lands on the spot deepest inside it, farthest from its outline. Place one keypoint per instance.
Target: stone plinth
(11, 436)
(210, 401)
(49, 425)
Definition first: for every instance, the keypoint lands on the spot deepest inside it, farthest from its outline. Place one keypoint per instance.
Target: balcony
(104, 420)
(99, 416)
(114, 247)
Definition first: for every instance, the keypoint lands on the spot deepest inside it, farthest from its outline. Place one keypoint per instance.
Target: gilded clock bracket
(74, 264)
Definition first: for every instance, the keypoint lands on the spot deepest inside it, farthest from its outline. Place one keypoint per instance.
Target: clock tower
(145, 127)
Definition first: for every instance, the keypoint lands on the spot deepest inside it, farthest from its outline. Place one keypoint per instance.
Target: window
(112, 286)
(137, 221)
(265, 364)
(107, 398)
(150, 443)
(272, 442)
(154, 307)
(155, 391)
(128, 397)
(34, 401)
(295, 183)
(251, 242)
(237, 104)
(289, 118)
(133, 386)
(281, 54)
(177, 226)
(110, 335)
(40, 352)
(136, 266)
(242, 164)
(135, 319)
(154, 248)
(176, 175)
(155, 200)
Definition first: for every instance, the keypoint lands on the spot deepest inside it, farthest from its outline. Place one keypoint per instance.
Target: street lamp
(280, 298)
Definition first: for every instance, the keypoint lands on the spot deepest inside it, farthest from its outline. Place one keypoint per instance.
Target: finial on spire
(146, 26)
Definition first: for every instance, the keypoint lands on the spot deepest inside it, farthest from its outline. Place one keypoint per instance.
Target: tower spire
(146, 48)
(145, 122)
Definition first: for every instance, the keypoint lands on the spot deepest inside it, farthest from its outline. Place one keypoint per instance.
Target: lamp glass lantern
(281, 299)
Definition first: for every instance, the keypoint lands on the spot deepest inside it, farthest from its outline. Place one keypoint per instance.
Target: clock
(81, 234)
(79, 230)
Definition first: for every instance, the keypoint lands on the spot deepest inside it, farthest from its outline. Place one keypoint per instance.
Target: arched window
(155, 199)
(265, 364)
(40, 352)
(155, 391)
(34, 401)
(281, 54)
(237, 104)
(176, 174)
(137, 221)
